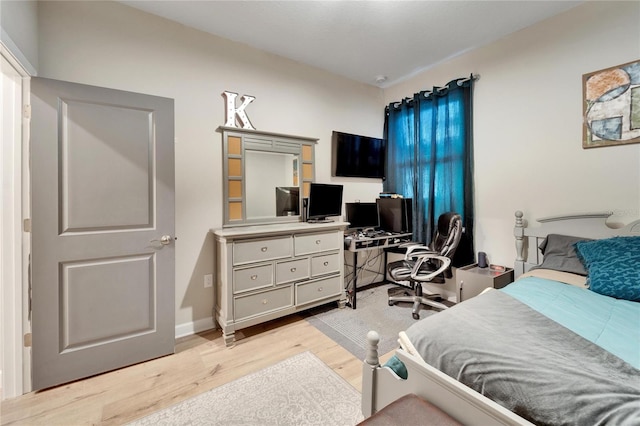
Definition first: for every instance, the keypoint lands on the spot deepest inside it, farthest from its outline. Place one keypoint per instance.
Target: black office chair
(427, 264)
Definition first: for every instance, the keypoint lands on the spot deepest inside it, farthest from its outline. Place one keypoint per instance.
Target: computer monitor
(287, 201)
(324, 200)
(395, 214)
(362, 215)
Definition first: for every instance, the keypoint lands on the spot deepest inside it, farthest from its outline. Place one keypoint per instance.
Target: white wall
(18, 20)
(111, 45)
(528, 122)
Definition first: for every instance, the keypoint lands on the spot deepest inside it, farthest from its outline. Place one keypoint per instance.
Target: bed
(560, 345)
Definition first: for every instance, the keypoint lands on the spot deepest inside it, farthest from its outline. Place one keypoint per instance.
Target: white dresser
(268, 271)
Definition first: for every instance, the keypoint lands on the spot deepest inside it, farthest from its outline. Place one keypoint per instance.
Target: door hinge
(26, 112)
(26, 225)
(27, 340)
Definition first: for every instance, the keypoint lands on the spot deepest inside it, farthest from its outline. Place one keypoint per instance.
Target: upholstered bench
(410, 410)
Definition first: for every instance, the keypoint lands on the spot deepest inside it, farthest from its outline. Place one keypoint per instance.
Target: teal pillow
(613, 266)
(397, 367)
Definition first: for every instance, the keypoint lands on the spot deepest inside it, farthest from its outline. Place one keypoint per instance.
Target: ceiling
(374, 42)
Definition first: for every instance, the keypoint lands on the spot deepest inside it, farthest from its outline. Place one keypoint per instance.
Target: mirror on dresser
(272, 184)
(266, 176)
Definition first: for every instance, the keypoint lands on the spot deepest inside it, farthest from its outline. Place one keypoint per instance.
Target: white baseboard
(193, 327)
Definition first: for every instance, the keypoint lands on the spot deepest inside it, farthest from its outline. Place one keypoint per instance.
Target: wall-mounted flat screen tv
(357, 156)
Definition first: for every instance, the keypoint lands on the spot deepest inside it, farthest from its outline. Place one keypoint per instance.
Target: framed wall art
(611, 99)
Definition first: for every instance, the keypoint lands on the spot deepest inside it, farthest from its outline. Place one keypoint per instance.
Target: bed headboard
(587, 225)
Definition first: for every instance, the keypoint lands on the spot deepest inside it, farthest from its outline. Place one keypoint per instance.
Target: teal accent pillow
(397, 367)
(613, 266)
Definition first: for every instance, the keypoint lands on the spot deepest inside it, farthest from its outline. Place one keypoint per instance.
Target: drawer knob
(326, 263)
(263, 249)
(293, 269)
(265, 301)
(318, 241)
(320, 289)
(254, 277)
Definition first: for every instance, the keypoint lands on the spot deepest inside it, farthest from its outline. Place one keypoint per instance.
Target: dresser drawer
(316, 243)
(259, 250)
(325, 264)
(262, 303)
(252, 278)
(316, 290)
(292, 270)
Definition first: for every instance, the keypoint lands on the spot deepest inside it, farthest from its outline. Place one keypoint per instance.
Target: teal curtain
(430, 158)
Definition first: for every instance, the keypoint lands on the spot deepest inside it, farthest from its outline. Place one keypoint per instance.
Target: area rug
(349, 327)
(301, 390)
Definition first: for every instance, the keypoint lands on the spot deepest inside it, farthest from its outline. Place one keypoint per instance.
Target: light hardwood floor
(201, 362)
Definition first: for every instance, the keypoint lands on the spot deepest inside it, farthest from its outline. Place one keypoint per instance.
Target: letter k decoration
(237, 114)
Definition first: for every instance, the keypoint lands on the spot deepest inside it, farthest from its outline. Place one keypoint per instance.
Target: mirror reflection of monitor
(324, 200)
(287, 201)
(362, 215)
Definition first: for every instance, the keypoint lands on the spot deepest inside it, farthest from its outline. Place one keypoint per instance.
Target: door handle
(164, 240)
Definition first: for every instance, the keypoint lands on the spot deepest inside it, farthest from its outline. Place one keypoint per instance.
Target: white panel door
(102, 166)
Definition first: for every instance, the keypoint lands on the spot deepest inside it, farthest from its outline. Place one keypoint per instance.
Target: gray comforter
(528, 363)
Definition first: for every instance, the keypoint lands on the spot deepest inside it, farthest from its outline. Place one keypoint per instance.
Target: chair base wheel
(391, 303)
(416, 316)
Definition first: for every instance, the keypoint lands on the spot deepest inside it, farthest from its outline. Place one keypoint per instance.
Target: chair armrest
(415, 273)
(409, 244)
(413, 251)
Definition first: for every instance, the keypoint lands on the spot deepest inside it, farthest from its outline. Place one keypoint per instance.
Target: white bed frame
(381, 386)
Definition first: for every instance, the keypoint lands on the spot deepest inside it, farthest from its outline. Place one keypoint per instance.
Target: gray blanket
(528, 363)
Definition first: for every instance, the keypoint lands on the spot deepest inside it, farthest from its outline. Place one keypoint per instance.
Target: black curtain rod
(459, 82)
(473, 77)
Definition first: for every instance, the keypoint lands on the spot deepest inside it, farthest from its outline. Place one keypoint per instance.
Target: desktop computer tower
(395, 214)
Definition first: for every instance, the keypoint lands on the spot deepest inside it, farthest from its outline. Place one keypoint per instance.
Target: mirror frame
(235, 143)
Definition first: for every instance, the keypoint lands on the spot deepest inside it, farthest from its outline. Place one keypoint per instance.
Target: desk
(355, 244)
